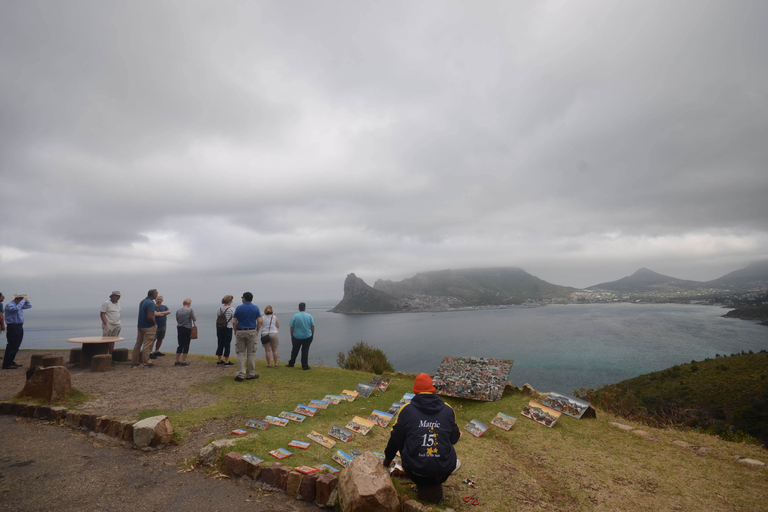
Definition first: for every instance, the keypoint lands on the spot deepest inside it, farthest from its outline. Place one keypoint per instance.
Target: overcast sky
(206, 148)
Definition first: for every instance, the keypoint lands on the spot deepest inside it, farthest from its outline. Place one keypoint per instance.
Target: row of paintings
(477, 428)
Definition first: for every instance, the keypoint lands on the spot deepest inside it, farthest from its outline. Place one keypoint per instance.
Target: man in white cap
(110, 317)
(14, 321)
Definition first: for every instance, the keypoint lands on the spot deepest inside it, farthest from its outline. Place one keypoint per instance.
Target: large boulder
(48, 383)
(152, 431)
(365, 486)
(210, 453)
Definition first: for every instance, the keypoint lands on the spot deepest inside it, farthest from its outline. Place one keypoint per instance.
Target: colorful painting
(360, 425)
(280, 453)
(321, 439)
(340, 433)
(381, 383)
(252, 459)
(292, 416)
(273, 420)
(504, 421)
(334, 399)
(407, 398)
(569, 405)
(306, 469)
(299, 444)
(541, 414)
(380, 418)
(395, 408)
(305, 410)
(319, 404)
(342, 458)
(348, 395)
(475, 378)
(364, 389)
(476, 427)
(257, 424)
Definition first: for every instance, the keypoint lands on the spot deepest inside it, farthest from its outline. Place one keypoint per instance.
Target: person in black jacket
(424, 432)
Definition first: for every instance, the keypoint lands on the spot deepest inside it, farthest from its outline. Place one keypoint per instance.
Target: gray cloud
(292, 143)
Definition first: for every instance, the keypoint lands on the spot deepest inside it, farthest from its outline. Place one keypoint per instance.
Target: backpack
(221, 319)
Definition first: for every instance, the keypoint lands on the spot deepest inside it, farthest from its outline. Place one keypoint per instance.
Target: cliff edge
(361, 298)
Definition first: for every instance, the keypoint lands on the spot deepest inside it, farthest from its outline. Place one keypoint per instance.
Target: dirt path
(47, 467)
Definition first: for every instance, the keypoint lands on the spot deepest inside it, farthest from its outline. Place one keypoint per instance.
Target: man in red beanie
(424, 432)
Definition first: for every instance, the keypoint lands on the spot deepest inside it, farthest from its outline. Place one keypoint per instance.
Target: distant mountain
(446, 289)
(755, 275)
(645, 281)
(361, 298)
(477, 286)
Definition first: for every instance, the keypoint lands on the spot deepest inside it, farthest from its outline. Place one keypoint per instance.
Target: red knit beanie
(423, 384)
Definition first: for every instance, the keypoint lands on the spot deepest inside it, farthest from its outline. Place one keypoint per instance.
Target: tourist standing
(246, 323)
(14, 322)
(147, 328)
(161, 312)
(110, 318)
(2, 315)
(224, 330)
(270, 325)
(302, 333)
(185, 319)
(424, 433)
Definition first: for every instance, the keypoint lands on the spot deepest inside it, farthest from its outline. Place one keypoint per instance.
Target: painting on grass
(292, 416)
(360, 425)
(330, 469)
(476, 427)
(274, 420)
(305, 410)
(342, 458)
(475, 378)
(306, 469)
(319, 404)
(299, 444)
(364, 389)
(252, 459)
(334, 399)
(569, 405)
(381, 383)
(340, 433)
(504, 421)
(395, 408)
(348, 395)
(257, 424)
(280, 453)
(321, 439)
(380, 418)
(541, 414)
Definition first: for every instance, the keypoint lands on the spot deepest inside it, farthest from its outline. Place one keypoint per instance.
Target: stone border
(113, 427)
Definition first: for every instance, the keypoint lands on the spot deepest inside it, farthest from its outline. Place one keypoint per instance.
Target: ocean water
(555, 348)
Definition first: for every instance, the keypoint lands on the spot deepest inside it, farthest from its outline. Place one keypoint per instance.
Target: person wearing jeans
(302, 333)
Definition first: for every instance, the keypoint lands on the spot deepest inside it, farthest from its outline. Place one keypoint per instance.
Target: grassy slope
(576, 465)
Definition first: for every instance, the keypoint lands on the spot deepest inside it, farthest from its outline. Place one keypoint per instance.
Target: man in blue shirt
(14, 320)
(147, 328)
(2, 316)
(161, 312)
(302, 332)
(246, 323)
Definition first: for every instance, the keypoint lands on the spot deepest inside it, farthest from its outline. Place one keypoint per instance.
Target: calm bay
(555, 348)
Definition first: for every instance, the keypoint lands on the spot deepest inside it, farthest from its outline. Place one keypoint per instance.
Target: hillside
(754, 276)
(361, 298)
(724, 395)
(647, 281)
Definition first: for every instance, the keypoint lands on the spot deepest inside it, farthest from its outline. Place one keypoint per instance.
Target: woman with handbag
(224, 330)
(185, 321)
(269, 340)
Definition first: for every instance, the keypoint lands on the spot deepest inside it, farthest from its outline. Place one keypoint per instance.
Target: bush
(365, 358)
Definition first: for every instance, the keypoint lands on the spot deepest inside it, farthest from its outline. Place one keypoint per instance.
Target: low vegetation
(727, 396)
(362, 357)
(585, 464)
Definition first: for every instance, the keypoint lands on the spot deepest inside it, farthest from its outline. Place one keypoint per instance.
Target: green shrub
(365, 358)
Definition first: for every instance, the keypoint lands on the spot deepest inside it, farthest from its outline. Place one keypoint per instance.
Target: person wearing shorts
(161, 312)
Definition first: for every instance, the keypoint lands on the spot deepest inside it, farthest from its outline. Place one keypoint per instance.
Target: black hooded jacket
(424, 433)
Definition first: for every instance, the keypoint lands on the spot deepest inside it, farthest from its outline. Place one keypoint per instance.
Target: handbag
(193, 333)
(265, 337)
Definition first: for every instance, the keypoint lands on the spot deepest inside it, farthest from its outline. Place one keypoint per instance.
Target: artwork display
(476, 427)
(273, 420)
(306, 469)
(407, 398)
(541, 414)
(381, 383)
(321, 439)
(239, 432)
(395, 408)
(380, 418)
(319, 404)
(342, 458)
(340, 433)
(299, 444)
(364, 389)
(504, 421)
(292, 416)
(305, 410)
(257, 424)
(334, 399)
(475, 378)
(280, 453)
(252, 459)
(348, 395)
(360, 425)
(571, 406)
(383, 457)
